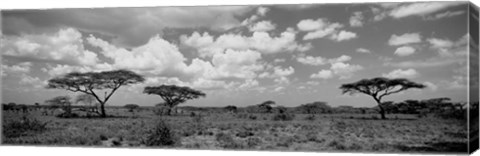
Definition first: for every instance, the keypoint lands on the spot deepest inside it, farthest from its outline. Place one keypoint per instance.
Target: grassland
(249, 131)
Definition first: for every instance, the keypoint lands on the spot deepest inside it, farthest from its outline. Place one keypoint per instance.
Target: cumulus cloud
(344, 70)
(356, 20)
(338, 67)
(311, 25)
(445, 15)
(437, 43)
(261, 12)
(363, 50)
(64, 46)
(321, 28)
(317, 61)
(431, 85)
(326, 31)
(420, 9)
(21, 68)
(407, 38)
(344, 35)
(404, 51)
(259, 41)
(262, 26)
(123, 23)
(399, 73)
(322, 74)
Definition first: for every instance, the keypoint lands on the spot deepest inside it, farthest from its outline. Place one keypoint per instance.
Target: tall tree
(93, 82)
(173, 95)
(380, 87)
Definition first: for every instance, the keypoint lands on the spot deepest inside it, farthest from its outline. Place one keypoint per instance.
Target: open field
(250, 131)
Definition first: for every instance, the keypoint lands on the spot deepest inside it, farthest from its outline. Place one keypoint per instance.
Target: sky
(241, 55)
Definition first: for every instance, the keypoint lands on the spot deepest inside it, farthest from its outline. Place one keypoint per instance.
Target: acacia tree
(93, 82)
(90, 103)
(62, 102)
(131, 107)
(379, 87)
(173, 95)
(267, 105)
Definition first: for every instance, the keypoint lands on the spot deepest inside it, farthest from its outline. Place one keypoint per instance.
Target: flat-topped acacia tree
(379, 87)
(89, 82)
(173, 95)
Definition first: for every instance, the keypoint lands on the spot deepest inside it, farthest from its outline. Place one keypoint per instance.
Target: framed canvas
(376, 77)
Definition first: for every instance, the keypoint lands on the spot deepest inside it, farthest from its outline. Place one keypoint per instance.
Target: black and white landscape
(365, 77)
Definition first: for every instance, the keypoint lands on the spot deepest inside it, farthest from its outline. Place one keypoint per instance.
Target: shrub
(161, 135)
(310, 117)
(23, 127)
(283, 117)
(252, 117)
(227, 141)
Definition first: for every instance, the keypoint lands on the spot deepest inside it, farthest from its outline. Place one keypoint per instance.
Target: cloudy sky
(241, 55)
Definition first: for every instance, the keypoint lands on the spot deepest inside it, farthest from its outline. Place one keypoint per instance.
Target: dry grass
(337, 132)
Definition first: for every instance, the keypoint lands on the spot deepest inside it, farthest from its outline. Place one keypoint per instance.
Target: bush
(227, 141)
(161, 135)
(283, 117)
(23, 127)
(310, 117)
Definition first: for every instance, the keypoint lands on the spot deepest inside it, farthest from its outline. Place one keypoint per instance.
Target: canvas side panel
(473, 77)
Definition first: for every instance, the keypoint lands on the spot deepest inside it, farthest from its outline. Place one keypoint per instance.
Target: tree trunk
(102, 109)
(382, 111)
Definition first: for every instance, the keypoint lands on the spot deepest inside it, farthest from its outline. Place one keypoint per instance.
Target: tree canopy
(379, 87)
(174, 95)
(90, 81)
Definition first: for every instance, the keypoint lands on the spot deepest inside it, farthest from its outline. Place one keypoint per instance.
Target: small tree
(89, 101)
(267, 105)
(131, 107)
(89, 82)
(173, 95)
(231, 108)
(379, 87)
(62, 102)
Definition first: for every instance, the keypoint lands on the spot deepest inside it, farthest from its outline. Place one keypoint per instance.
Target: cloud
(311, 25)
(314, 61)
(422, 63)
(262, 11)
(431, 85)
(262, 26)
(399, 73)
(321, 28)
(279, 60)
(344, 35)
(317, 61)
(420, 9)
(363, 50)
(237, 64)
(445, 15)
(322, 74)
(356, 20)
(65, 46)
(21, 68)
(344, 70)
(259, 41)
(407, 38)
(157, 56)
(404, 51)
(437, 43)
(320, 33)
(122, 24)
